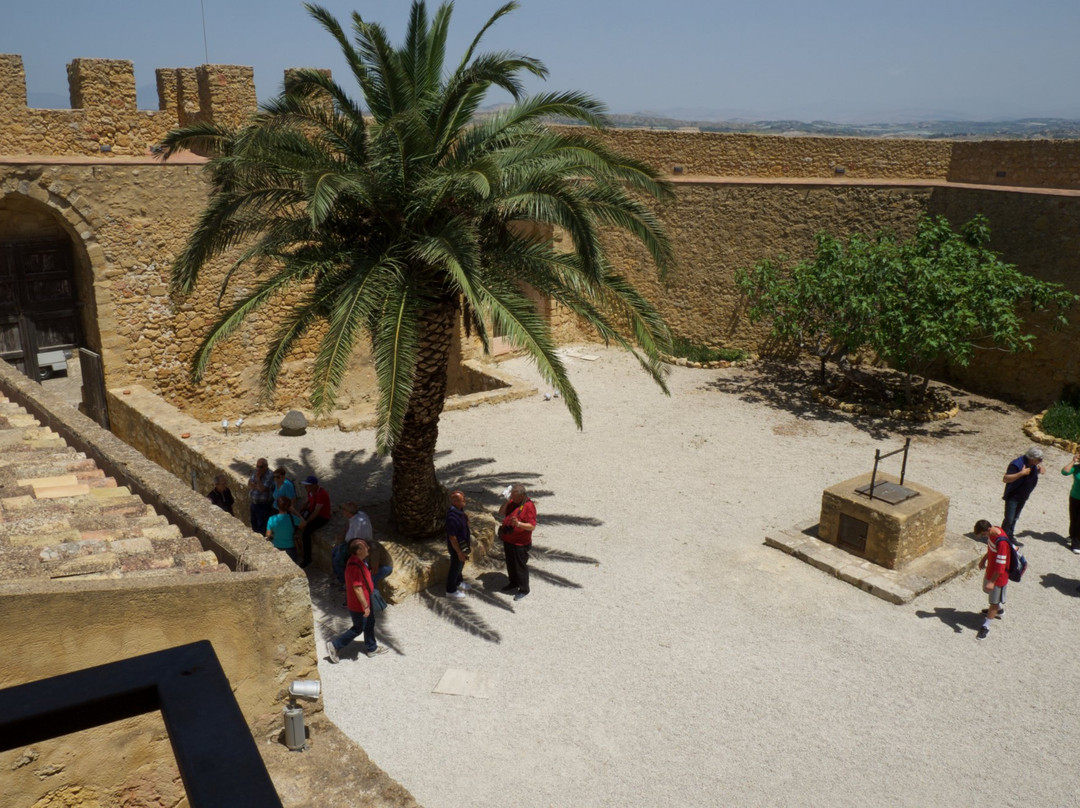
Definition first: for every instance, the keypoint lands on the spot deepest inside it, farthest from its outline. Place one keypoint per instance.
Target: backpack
(1017, 562)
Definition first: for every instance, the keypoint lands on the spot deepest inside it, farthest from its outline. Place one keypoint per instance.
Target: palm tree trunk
(418, 500)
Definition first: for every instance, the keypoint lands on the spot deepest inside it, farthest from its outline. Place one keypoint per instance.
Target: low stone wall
(258, 620)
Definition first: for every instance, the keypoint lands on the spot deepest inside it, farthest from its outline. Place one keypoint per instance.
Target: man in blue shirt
(1020, 480)
(458, 545)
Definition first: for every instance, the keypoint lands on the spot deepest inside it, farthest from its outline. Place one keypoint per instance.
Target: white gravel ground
(667, 657)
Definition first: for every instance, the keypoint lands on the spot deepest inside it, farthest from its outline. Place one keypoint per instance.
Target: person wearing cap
(996, 564)
(316, 513)
(261, 494)
(1020, 480)
(1072, 469)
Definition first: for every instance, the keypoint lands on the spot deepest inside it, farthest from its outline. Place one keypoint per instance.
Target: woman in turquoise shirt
(1073, 468)
(281, 527)
(283, 486)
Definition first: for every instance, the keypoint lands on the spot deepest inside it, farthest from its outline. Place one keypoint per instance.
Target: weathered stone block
(896, 534)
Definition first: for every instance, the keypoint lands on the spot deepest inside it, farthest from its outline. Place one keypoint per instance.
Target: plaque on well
(851, 533)
(892, 493)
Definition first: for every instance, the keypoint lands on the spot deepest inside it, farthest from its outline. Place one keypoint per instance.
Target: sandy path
(667, 657)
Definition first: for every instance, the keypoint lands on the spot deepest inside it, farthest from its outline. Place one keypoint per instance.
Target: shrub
(1062, 420)
(680, 346)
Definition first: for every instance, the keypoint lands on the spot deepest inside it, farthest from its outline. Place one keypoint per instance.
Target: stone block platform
(957, 555)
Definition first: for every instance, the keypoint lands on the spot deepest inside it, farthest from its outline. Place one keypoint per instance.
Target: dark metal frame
(879, 456)
(217, 757)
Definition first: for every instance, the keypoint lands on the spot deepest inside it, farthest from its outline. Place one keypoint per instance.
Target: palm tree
(393, 225)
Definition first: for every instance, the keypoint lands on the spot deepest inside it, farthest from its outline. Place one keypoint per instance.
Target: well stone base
(889, 535)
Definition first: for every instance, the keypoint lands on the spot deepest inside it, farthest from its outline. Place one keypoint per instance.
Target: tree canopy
(940, 295)
(388, 218)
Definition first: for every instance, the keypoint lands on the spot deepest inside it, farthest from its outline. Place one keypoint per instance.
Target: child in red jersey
(996, 564)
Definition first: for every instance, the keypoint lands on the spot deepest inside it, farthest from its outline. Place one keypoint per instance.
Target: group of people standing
(1020, 478)
(517, 516)
(287, 522)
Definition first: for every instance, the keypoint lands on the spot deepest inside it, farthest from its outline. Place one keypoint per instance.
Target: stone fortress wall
(741, 198)
(89, 173)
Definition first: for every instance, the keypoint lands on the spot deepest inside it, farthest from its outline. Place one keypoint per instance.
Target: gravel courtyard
(666, 656)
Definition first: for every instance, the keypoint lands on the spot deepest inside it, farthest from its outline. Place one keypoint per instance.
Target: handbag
(378, 602)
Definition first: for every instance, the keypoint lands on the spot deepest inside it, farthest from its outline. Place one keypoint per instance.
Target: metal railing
(217, 757)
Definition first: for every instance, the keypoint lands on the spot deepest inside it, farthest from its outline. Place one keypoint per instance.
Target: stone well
(885, 531)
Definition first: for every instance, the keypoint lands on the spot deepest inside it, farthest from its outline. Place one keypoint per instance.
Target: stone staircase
(61, 517)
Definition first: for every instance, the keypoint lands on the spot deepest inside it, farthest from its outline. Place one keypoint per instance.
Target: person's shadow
(1066, 586)
(955, 619)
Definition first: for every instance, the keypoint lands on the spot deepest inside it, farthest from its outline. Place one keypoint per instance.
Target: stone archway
(47, 310)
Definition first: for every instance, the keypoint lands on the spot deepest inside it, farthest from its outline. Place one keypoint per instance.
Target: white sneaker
(455, 595)
(467, 587)
(331, 653)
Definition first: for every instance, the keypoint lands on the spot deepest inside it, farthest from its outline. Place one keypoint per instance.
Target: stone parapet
(105, 120)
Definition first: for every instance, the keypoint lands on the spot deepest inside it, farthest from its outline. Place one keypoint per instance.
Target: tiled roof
(62, 518)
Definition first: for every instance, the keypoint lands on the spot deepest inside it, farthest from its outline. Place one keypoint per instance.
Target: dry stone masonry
(62, 518)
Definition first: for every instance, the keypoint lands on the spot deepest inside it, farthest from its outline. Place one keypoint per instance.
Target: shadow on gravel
(329, 597)
(460, 614)
(955, 619)
(1066, 586)
(786, 386)
(1049, 538)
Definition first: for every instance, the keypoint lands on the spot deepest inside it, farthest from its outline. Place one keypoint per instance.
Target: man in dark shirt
(458, 545)
(1020, 480)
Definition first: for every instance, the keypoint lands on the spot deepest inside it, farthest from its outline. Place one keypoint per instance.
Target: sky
(848, 61)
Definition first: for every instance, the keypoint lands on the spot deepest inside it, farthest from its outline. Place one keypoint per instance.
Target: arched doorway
(47, 311)
(39, 306)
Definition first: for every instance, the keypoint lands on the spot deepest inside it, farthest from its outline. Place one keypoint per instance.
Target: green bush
(1063, 421)
(701, 353)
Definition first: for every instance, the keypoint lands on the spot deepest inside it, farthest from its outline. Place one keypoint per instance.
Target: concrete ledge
(956, 556)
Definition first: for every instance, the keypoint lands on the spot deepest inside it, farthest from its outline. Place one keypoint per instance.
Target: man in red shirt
(316, 513)
(996, 564)
(518, 516)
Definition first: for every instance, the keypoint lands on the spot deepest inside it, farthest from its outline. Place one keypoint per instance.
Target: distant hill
(1024, 129)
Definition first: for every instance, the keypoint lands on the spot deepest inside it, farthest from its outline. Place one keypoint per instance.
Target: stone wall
(257, 617)
(104, 119)
(1018, 163)
(127, 221)
(736, 155)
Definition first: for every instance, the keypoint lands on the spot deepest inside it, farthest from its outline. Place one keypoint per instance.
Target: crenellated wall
(104, 119)
(85, 173)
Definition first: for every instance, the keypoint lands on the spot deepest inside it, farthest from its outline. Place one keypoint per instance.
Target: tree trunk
(419, 501)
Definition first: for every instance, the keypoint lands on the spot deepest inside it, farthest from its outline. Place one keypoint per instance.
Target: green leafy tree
(941, 295)
(388, 227)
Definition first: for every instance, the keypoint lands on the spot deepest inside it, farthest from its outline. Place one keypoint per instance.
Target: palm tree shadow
(461, 615)
(1066, 586)
(955, 619)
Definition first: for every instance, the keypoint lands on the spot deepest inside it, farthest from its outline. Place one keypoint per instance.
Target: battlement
(104, 118)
